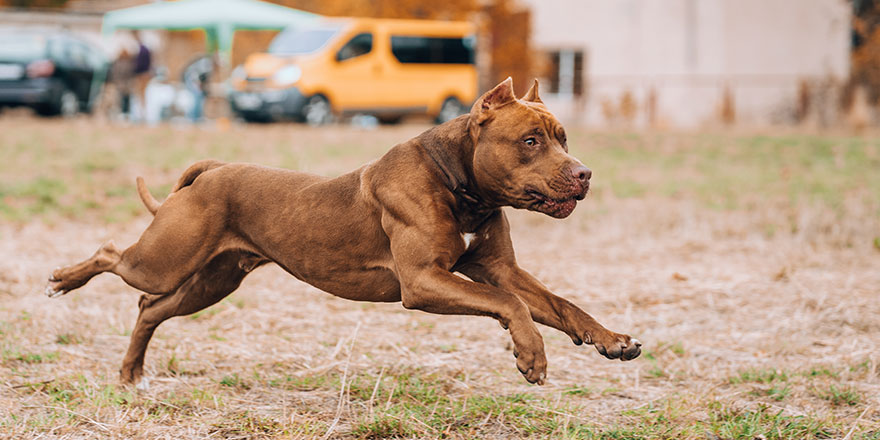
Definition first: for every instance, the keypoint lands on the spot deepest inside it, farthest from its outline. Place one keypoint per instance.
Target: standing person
(197, 80)
(122, 77)
(143, 63)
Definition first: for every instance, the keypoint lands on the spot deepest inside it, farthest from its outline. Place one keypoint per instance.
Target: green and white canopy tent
(218, 18)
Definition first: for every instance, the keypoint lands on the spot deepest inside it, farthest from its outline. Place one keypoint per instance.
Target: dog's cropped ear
(501, 95)
(532, 94)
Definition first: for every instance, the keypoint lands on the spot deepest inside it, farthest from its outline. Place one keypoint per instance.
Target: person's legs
(197, 109)
(138, 106)
(125, 103)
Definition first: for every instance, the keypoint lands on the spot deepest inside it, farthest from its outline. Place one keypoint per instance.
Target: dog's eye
(531, 141)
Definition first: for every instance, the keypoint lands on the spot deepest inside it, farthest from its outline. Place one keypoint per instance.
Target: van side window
(360, 44)
(430, 50)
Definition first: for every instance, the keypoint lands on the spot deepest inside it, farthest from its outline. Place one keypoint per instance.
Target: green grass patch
(729, 172)
(841, 395)
(730, 423)
(776, 392)
(411, 403)
(752, 375)
(68, 339)
(675, 419)
(577, 391)
(30, 358)
(91, 174)
(248, 425)
(819, 372)
(233, 381)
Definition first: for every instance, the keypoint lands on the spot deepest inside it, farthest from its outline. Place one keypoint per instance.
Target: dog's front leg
(436, 290)
(427, 284)
(492, 262)
(561, 314)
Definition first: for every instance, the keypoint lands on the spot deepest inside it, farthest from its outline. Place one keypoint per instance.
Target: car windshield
(21, 47)
(301, 41)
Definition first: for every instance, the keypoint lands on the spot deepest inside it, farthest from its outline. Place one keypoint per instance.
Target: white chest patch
(468, 238)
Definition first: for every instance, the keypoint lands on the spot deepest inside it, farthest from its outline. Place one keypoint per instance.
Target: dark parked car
(53, 73)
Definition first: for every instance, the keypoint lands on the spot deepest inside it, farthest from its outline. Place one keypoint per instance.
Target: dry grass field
(748, 264)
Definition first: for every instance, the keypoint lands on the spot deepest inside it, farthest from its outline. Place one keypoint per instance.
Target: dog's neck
(451, 149)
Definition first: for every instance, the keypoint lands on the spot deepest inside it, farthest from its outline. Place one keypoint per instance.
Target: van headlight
(287, 75)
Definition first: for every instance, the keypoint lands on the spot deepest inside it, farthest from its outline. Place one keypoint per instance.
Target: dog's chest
(468, 239)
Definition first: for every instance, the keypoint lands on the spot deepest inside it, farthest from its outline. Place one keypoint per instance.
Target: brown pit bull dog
(394, 230)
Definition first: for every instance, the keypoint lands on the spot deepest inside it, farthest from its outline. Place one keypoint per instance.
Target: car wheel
(451, 109)
(318, 111)
(255, 118)
(65, 105)
(68, 104)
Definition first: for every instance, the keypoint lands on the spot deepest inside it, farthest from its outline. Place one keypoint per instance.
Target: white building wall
(690, 51)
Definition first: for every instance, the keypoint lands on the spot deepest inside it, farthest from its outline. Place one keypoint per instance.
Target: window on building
(566, 72)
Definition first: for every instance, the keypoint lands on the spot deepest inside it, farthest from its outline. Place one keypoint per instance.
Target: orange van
(343, 66)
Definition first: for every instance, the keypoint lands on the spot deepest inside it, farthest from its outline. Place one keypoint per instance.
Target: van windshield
(301, 41)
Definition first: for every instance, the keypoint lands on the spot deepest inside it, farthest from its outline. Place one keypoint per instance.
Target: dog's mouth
(554, 207)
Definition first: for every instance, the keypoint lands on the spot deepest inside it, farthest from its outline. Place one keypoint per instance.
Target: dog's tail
(149, 201)
(194, 170)
(186, 179)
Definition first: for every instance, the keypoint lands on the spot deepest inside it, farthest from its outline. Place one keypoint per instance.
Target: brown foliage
(865, 58)
(628, 107)
(866, 63)
(510, 32)
(728, 107)
(445, 10)
(33, 3)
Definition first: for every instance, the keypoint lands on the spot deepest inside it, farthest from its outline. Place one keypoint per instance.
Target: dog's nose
(581, 173)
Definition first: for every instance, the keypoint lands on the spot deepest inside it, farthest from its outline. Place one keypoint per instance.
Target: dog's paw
(54, 288)
(52, 293)
(532, 364)
(528, 349)
(618, 346)
(143, 384)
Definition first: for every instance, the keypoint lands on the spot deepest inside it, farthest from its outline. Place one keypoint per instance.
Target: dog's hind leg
(217, 279)
(68, 278)
(187, 232)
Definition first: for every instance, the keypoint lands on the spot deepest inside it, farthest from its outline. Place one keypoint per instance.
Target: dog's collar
(455, 185)
(466, 201)
(463, 193)
(446, 154)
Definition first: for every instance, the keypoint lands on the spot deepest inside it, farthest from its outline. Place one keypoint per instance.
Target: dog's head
(520, 153)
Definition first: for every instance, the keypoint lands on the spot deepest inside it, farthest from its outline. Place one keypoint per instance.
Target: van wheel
(318, 111)
(255, 118)
(390, 120)
(451, 109)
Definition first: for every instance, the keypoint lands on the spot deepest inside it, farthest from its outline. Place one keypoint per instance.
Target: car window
(77, 54)
(95, 57)
(22, 48)
(360, 44)
(58, 51)
(432, 50)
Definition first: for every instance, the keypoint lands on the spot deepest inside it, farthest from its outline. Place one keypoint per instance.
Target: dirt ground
(758, 321)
